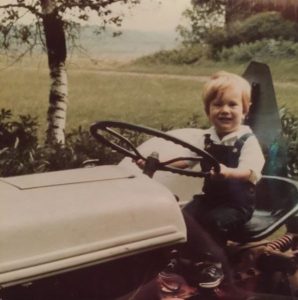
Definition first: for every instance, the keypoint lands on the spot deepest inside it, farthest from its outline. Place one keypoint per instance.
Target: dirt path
(143, 74)
(198, 78)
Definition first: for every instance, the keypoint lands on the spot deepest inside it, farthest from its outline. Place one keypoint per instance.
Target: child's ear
(245, 113)
(244, 118)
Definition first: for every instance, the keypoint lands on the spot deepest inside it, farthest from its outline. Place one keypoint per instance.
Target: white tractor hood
(53, 222)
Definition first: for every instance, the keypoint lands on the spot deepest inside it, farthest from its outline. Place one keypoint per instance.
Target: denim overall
(227, 203)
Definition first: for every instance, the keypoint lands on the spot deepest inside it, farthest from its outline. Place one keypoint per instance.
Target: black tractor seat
(276, 203)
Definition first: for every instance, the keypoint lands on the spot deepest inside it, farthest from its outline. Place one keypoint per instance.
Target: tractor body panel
(53, 222)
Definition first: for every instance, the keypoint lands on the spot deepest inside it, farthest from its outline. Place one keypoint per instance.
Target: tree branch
(32, 9)
(94, 5)
(18, 58)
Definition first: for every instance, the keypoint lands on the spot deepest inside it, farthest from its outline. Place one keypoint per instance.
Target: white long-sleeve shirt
(251, 156)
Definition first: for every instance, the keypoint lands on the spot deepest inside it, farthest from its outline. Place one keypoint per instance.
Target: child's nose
(225, 108)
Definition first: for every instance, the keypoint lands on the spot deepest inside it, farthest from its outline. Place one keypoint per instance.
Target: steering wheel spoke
(99, 130)
(130, 151)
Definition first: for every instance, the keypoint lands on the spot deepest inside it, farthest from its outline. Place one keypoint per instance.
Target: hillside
(130, 44)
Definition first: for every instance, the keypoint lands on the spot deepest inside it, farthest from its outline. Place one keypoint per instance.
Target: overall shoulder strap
(207, 141)
(240, 142)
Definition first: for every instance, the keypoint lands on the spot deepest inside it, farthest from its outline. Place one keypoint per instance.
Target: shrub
(262, 50)
(290, 132)
(20, 152)
(184, 55)
(266, 25)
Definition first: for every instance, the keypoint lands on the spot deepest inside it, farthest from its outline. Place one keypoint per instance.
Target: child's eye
(233, 104)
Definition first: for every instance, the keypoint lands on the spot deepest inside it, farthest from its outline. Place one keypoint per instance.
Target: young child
(228, 197)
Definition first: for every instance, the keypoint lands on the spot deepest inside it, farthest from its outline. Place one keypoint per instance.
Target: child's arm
(233, 173)
(251, 163)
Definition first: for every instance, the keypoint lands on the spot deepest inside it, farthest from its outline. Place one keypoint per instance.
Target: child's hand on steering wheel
(140, 163)
(222, 174)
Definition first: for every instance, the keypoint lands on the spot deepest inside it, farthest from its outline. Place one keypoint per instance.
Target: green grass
(25, 92)
(202, 69)
(151, 101)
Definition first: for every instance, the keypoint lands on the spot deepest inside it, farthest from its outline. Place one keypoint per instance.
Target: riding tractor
(108, 232)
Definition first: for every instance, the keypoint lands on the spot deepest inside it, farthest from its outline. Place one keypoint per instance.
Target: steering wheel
(99, 129)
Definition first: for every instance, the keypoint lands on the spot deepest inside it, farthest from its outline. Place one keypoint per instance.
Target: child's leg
(201, 247)
(222, 220)
(200, 260)
(199, 242)
(207, 227)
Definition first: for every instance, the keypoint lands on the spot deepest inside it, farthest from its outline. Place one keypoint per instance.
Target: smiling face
(226, 110)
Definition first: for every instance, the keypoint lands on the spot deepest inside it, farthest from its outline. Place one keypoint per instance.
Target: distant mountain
(130, 44)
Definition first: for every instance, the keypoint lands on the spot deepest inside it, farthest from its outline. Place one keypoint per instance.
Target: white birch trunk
(58, 104)
(56, 48)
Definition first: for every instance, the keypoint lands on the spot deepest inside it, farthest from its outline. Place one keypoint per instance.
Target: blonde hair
(219, 82)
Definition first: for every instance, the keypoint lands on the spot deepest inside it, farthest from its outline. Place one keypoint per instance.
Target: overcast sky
(149, 15)
(154, 15)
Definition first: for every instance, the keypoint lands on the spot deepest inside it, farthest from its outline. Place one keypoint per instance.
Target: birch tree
(49, 26)
(56, 49)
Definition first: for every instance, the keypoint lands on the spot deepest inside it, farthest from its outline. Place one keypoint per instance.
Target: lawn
(157, 101)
